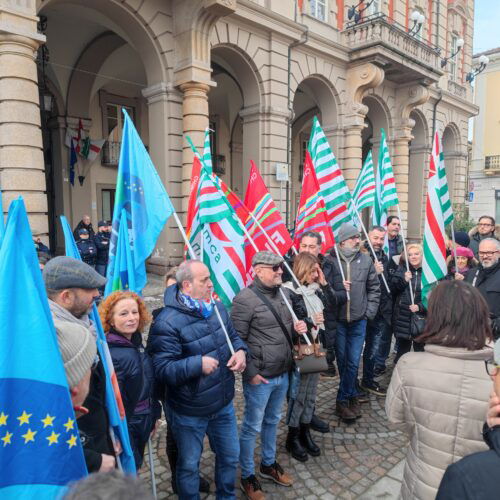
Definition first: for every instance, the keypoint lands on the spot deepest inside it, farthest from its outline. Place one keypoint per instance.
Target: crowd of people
(340, 308)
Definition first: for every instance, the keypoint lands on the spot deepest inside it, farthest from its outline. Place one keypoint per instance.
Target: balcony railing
(110, 153)
(457, 89)
(404, 57)
(492, 164)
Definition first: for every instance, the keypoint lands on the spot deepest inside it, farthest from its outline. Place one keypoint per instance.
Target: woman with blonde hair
(124, 316)
(405, 310)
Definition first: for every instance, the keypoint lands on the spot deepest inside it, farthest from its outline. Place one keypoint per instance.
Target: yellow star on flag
(69, 424)
(24, 418)
(6, 439)
(48, 420)
(71, 441)
(3, 418)
(29, 436)
(53, 438)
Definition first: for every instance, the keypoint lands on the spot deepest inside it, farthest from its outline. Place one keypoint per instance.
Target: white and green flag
(444, 194)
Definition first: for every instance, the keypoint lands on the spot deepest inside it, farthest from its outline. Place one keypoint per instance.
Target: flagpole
(405, 252)
(152, 469)
(341, 270)
(228, 340)
(184, 235)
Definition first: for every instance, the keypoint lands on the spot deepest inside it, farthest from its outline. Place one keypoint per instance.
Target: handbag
(307, 358)
(417, 319)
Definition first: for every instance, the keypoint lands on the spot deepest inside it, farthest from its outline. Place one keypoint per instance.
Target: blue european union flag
(116, 416)
(140, 192)
(40, 450)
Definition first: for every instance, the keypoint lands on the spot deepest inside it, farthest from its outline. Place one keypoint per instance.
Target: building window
(454, 60)
(107, 203)
(374, 8)
(318, 9)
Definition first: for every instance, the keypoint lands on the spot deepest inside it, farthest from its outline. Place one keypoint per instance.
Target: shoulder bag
(417, 319)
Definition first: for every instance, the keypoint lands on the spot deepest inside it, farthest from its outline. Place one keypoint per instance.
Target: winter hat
(464, 252)
(462, 238)
(346, 231)
(78, 350)
(102, 223)
(83, 231)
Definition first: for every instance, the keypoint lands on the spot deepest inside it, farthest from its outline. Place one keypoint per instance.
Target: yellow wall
(492, 115)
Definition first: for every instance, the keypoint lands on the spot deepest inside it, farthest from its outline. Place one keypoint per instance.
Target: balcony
(382, 41)
(110, 153)
(457, 89)
(492, 165)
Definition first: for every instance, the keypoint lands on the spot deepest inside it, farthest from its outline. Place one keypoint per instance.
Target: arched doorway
(451, 153)
(234, 116)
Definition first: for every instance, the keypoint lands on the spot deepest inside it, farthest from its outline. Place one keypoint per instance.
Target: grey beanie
(346, 231)
(78, 350)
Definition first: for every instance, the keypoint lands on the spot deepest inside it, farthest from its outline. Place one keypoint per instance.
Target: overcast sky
(486, 25)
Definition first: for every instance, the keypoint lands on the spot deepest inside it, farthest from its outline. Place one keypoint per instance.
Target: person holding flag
(72, 287)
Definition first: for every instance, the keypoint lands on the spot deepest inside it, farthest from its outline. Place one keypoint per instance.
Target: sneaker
(379, 371)
(275, 473)
(330, 373)
(374, 388)
(355, 407)
(251, 487)
(345, 413)
(362, 395)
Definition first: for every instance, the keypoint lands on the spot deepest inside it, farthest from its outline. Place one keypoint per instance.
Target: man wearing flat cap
(72, 287)
(255, 314)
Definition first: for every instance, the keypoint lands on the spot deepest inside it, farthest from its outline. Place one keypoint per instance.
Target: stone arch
(378, 116)
(451, 143)
(419, 149)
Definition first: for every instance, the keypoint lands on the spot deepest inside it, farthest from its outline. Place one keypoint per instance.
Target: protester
(111, 485)
(40, 247)
(85, 223)
(404, 308)
(460, 263)
(461, 238)
(440, 395)
(86, 247)
(475, 477)
(72, 287)
(486, 277)
(486, 228)
(43, 258)
(123, 317)
(264, 322)
(193, 363)
(378, 330)
(362, 283)
(78, 351)
(301, 408)
(101, 241)
(395, 240)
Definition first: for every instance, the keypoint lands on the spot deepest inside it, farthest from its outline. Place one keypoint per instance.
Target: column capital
(161, 92)
(408, 98)
(193, 88)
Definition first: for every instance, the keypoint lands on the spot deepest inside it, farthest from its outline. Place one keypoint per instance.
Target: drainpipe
(302, 41)
(434, 113)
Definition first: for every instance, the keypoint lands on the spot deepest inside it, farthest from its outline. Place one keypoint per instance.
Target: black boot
(293, 445)
(307, 441)
(319, 425)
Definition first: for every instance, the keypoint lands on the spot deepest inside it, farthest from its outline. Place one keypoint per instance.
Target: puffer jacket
(178, 339)
(270, 353)
(475, 238)
(401, 289)
(101, 241)
(365, 287)
(88, 251)
(440, 397)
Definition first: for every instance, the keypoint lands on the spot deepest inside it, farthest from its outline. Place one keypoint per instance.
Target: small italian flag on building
(434, 260)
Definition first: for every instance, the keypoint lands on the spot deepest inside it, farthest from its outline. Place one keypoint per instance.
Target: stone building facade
(255, 71)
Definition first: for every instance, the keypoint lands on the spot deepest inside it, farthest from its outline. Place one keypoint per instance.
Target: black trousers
(405, 345)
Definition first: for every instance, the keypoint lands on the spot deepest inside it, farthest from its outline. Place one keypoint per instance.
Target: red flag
(311, 214)
(259, 202)
(193, 190)
(79, 137)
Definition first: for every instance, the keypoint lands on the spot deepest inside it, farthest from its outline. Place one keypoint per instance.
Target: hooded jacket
(178, 339)
(474, 477)
(440, 397)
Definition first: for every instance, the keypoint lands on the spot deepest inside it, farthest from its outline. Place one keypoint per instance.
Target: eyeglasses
(275, 268)
(491, 367)
(487, 254)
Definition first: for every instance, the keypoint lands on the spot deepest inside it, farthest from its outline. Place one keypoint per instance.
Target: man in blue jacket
(194, 366)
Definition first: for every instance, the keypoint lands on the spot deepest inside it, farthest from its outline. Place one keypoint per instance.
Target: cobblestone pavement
(363, 459)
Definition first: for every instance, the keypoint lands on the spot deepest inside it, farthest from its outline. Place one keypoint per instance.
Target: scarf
(204, 308)
(61, 314)
(313, 303)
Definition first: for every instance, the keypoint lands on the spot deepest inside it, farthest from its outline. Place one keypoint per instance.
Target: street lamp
(356, 13)
(418, 21)
(460, 44)
(483, 62)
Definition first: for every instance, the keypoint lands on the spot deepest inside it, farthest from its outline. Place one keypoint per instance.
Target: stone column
(21, 151)
(352, 157)
(417, 178)
(400, 156)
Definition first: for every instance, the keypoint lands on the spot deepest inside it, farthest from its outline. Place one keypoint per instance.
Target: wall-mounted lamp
(460, 44)
(483, 62)
(418, 21)
(356, 13)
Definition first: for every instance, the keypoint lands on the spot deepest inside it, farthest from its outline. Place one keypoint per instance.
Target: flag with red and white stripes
(434, 260)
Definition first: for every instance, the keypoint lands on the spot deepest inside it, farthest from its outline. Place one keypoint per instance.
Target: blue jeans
(189, 433)
(348, 346)
(384, 345)
(375, 331)
(263, 406)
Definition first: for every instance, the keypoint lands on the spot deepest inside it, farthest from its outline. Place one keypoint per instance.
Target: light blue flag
(40, 449)
(2, 226)
(114, 405)
(140, 192)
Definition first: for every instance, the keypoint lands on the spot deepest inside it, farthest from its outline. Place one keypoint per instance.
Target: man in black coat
(101, 241)
(85, 223)
(475, 477)
(86, 247)
(486, 278)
